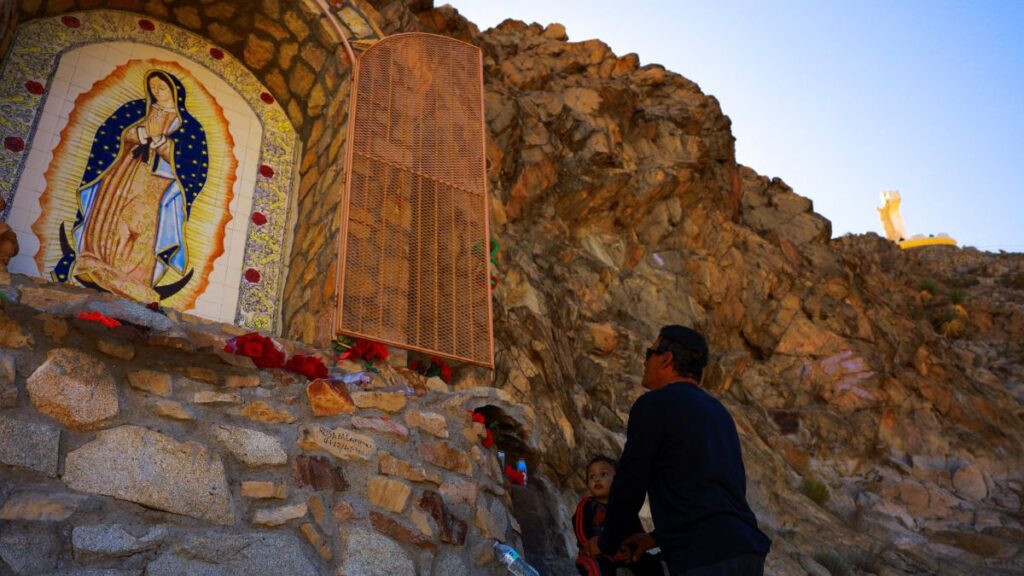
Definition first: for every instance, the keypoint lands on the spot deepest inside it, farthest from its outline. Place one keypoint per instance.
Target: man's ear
(667, 359)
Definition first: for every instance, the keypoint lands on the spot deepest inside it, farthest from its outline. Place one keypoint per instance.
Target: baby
(588, 522)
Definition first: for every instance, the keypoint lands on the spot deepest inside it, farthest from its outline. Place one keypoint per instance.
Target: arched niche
(69, 83)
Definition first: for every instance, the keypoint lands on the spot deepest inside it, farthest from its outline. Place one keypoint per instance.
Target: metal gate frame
(395, 169)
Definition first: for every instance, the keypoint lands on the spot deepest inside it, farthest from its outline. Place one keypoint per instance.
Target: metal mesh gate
(414, 256)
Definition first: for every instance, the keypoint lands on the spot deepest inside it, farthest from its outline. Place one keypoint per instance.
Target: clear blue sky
(843, 99)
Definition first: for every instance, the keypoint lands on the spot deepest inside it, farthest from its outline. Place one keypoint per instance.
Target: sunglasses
(652, 351)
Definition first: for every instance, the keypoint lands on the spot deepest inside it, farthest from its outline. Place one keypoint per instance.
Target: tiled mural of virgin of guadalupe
(154, 166)
(148, 165)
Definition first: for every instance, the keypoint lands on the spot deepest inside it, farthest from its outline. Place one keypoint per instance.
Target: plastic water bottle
(512, 561)
(521, 468)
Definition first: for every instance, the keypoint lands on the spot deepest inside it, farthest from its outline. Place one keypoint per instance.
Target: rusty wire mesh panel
(415, 269)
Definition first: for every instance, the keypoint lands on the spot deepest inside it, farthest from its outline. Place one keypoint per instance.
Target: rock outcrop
(877, 392)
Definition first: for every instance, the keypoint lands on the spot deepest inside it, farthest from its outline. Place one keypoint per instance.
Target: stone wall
(146, 447)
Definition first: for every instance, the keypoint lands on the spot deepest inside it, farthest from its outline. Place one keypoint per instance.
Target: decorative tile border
(37, 48)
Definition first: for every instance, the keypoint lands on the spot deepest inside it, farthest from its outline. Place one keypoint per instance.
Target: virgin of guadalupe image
(147, 165)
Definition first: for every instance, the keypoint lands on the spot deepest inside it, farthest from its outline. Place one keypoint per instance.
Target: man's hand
(634, 547)
(592, 549)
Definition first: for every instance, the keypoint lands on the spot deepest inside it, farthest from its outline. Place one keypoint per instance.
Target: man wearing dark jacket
(683, 452)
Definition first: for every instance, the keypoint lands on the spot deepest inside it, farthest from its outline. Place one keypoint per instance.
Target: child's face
(599, 479)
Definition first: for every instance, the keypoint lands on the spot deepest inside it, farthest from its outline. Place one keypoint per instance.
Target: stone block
(218, 553)
(261, 411)
(28, 552)
(262, 489)
(314, 538)
(492, 522)
(452, 528)
(29, 444)
(386, 401)
(373, 554)
(387, 493)
(116, 348)
(41, 506)
(446, 457)
(382, 425)
(8, 386)
(328, 399)
(270, 517)
(252, 447)
(343, 512)
(11, 334)
(430, 422)
(258, 52)
(171, 409)
(75, 389)
(159, 383)
(139, 465)
(460, 490)
(211, 397)
(391, 466)
(422, 522)
(318, 472)
(106, 541)
(340, 442)
(399, 531)
(202, 374)
(970, 483)
(317, 509)
(242, 381)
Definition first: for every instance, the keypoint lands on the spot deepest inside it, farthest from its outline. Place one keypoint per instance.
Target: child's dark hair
(602, 458)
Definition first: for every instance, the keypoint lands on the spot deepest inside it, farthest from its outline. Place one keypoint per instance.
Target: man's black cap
(688, 338)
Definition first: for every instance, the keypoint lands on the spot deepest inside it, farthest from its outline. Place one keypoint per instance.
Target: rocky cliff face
(878, 393)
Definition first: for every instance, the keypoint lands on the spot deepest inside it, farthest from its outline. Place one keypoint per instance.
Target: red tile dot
(217, 53)
(147, 25)
(14, 144)
(258, 218)
(252, 275)
(70, 21)
(266, 171)
(267, 98)
(34, 87)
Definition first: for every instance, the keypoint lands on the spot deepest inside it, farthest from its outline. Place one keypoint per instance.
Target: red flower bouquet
(365, 350)
(435, 367)
(312, 367)
(262, 350)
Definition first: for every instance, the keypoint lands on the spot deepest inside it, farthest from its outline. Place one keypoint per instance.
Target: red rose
(258, 218)
(312, 367)
(252, 349)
